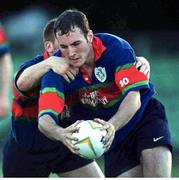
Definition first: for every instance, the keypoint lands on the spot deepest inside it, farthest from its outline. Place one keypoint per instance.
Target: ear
(48, 46)
(90, 36)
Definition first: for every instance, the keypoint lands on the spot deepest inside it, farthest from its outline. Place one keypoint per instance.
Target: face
(75, 47)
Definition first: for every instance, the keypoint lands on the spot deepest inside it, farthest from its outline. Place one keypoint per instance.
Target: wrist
(58, 131)
(47, 64)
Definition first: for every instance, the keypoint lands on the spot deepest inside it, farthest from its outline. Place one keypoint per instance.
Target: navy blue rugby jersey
(100, 94)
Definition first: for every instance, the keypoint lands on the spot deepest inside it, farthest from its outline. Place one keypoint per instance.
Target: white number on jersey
(124, 81)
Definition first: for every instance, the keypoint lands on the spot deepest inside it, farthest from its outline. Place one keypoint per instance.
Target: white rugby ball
(90, 139)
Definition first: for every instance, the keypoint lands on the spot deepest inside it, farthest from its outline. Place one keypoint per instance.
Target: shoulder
(58, 53)
(53, 78)
(111, 40)
(118, 49)
(32, 61)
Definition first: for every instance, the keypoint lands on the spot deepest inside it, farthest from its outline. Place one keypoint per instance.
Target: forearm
(6, 75)
(127, 110)
(49, 127)
(31, 76)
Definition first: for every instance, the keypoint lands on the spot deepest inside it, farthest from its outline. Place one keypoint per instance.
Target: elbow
(138, 104)
(41, 126)
(20, 84)
(135, 100)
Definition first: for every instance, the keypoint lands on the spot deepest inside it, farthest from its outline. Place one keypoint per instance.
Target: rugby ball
(90, 139)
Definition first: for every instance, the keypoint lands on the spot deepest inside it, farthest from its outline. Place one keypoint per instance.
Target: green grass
(164, 74)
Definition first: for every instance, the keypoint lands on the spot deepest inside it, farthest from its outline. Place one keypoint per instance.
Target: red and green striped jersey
(98, 95)
(25, 108)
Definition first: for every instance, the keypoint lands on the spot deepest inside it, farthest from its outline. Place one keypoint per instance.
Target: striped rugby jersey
(25, 108)
(100, 94)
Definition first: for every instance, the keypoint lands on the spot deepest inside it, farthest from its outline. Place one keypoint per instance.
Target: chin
(78, 64)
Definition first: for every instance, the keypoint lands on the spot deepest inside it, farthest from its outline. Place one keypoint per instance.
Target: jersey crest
(100, 73)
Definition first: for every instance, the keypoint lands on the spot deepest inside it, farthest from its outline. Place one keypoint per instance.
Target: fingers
(66, 78)
(108, 139)
(73, 70)
(143, 65)
(69, 139)
(74, 149)
(138, 64)
(70, 74)
(143, 68)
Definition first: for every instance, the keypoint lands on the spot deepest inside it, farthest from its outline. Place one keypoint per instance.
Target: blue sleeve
(52, 96)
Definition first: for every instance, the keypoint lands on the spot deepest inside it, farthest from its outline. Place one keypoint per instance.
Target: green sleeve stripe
(119, 98)
(134, 85)
(48, 111)
(48, 89)
(126, 66)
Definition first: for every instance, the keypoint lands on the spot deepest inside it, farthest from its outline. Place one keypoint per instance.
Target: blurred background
(150, 26)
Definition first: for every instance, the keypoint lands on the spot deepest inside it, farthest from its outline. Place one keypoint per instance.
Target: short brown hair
(48, 31)
(69, 19)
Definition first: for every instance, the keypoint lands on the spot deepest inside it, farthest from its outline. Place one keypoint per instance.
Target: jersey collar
(98, 47)
(46, 55)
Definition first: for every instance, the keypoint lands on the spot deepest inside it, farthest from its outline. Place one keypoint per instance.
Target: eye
(63, 46)
(76, 43)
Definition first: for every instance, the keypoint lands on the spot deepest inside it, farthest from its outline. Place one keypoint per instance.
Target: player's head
(49, 39)
(74, 36)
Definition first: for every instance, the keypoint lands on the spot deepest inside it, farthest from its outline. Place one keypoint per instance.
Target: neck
(91, 58)
(88, 66)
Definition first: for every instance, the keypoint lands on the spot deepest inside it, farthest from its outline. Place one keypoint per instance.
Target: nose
(71, 52)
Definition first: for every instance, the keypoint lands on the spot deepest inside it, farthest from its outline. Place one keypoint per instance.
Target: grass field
(164, 74)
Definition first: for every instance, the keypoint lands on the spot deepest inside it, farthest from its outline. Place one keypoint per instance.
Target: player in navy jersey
(6, 69)
(110, 89)
(28, 153)
(14, 170)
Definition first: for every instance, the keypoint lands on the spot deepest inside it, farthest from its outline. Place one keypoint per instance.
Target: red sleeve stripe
(54, 90)
(51, 101)
(128, 77)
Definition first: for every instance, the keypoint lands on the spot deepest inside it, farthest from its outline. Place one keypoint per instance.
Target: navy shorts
(150, 132)
(43, 158)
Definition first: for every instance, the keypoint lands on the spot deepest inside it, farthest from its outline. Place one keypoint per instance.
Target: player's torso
(97, 94)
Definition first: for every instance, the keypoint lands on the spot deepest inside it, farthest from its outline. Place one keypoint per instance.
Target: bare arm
(126, 111)
(6, 71)
(31, 76)
(53, 131)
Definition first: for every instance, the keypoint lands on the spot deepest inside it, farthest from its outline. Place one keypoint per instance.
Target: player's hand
(58, 64)
(3, 109)
(66, 137)
(70, 74)
(143, 65)
(61, 66)
(108, 139)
